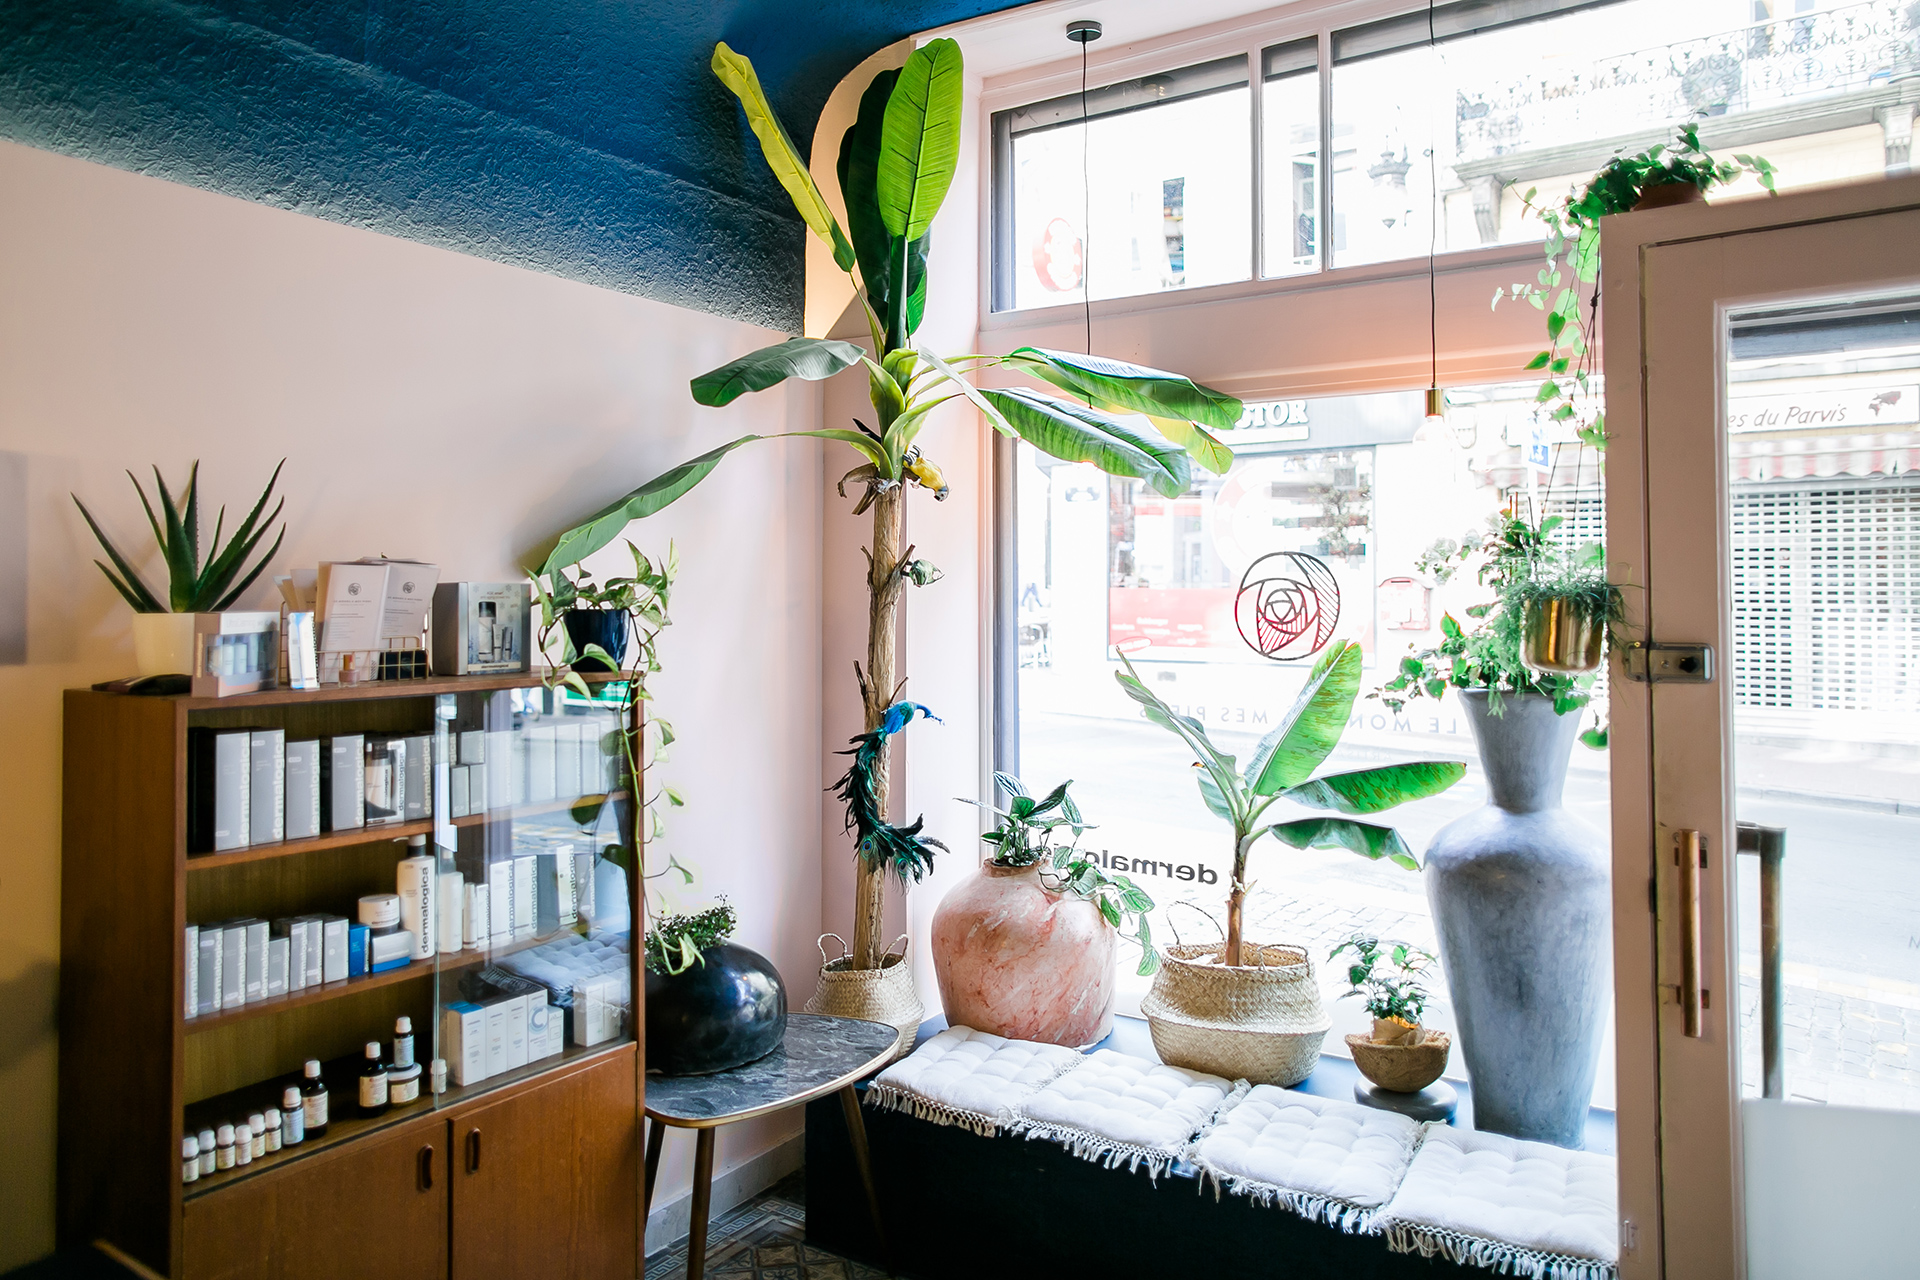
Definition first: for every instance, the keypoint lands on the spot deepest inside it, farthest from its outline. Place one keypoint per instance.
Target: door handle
(473, 1151)
(1690, 853)
(426, 1168)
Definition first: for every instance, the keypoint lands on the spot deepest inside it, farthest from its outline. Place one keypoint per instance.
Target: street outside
(1851, 915)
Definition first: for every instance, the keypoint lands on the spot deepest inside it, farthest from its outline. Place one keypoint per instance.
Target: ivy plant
(1391, 975)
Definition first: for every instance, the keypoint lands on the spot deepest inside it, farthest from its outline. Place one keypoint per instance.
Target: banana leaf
(1074, 433)
(920, 139)
(1130, 386)
(1363, 838)
(1376, 790)
(1311, 729)
(736, 72)
(873, 244)
(810, 358)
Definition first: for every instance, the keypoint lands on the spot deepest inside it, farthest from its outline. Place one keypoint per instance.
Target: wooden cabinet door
(546, 1182)
(374, 1209)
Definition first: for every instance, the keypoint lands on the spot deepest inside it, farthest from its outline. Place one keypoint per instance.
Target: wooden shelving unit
(377, 1196)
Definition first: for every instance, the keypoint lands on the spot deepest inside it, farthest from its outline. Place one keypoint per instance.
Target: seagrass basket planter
(1262, 1020)
(884, 995)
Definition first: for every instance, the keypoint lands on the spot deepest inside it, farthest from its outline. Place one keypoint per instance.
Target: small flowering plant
(1389, 974)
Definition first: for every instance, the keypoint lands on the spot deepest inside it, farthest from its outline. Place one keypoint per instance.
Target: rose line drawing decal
(1287, 606)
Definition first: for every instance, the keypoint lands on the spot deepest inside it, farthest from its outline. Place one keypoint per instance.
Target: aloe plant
(193, 586)
(895, 166)
(1282, 769)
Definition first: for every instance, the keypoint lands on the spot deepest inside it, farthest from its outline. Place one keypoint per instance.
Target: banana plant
(1282, 769)
(895, 166)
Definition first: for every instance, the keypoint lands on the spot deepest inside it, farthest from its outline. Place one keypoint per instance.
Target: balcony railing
(1769, 64)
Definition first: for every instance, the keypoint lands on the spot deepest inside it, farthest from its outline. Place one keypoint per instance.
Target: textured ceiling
(580, 137)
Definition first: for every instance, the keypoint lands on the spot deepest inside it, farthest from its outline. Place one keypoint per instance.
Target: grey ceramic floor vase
(1521, 899)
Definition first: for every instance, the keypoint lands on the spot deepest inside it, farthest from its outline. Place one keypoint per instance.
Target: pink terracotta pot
(1017, 960)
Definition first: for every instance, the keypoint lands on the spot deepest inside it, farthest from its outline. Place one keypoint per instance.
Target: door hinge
(1663, 663)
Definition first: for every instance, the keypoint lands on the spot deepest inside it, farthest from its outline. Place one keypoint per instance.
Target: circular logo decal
(1287, 606)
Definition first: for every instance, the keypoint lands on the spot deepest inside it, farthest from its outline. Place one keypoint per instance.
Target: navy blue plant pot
(604, 627)
(725, 1013)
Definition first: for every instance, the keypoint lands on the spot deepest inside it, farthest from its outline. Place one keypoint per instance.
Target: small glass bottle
(403, 1042)
(313, 1100)
(257, 1122)
(206, 1152)
(242, 1145)
(373, 1083)
(437, 1076)
(190, 1159)
(273, 1128)
(223, 1156)
(293, 1129)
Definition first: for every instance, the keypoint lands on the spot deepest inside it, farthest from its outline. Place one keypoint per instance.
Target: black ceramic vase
(604, 627)
(715, 1016)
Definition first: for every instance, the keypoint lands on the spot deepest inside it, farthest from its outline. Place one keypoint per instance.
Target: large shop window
(1429, 146)
(1336, 501)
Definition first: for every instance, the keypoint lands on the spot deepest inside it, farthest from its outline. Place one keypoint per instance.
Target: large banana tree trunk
(877, 691)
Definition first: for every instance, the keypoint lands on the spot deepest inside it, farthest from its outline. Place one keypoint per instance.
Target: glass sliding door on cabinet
(1772, 1001)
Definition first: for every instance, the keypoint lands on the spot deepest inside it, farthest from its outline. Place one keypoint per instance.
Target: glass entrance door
(1776, 456)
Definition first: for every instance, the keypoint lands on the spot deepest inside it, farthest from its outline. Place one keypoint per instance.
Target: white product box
(316, 948)
(599, 1007)
(267, 786)
(500, 899)
(516, 771)
(343, 782)
(333, 948)
(233, 964)
(499, 771)
(417, 881)
(256, 977)
(302, 790)
(473, 746)
(191, 986)
(464, 1026)
(277, 955)
(458, 793)
(451, 899)
(496, 1023)
(232, 799)
(207, 997)
(418, 794)
(567, 778)
(541, 773)
(545, 1027)
(477, 927)
(516, 1031)
(583, 881)
(526, 902)
(477, 788)
(296, 955)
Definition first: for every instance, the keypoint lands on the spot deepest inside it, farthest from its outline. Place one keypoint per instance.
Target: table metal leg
(857, 1133)
(702, 1193)
(656, 1134)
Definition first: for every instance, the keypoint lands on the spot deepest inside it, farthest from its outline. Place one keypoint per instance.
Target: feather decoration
(881, 844)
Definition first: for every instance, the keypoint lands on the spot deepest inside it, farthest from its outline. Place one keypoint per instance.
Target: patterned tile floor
(763, 1239)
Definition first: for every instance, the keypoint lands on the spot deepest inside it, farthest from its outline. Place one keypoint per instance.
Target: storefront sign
(1857, 409)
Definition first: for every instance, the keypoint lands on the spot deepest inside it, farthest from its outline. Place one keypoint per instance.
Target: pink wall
(430, 405)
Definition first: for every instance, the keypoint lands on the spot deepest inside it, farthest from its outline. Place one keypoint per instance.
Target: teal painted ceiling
(584, 138)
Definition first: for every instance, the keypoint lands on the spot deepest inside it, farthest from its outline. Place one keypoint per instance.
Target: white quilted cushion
(1523, 1207)
(1323, 1159)
(1118, 1107)
(970, 1078)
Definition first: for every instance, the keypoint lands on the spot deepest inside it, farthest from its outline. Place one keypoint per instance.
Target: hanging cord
(1433, 229)
(1086, 203)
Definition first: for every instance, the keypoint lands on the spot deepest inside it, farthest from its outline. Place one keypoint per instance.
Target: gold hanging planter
(1556, 638)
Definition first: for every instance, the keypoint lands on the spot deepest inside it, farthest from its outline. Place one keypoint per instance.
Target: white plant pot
(163, 644)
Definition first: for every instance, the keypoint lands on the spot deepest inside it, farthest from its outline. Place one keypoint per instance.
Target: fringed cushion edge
(884, 1097)
(1498, 1256)
(1349, 1217)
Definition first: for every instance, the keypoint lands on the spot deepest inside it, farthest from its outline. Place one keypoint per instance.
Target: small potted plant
(597, 620)
(1566, 607)
(1244, 1010)
(712, 1004)
(1026, 949)
(163, 632)
(1400, 1055)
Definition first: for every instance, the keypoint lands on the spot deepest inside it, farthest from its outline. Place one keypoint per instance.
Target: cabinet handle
(426, 1168)
(473, 1151)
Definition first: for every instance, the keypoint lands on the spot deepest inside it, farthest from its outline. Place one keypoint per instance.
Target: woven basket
(884, 995)
(1262, 1021)
(1402, 1068)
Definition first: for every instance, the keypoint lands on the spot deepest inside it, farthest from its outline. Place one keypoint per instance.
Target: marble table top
(820, 1054)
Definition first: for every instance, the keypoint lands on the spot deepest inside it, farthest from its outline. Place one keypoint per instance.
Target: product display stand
(528, 1163)
(821, 1055)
